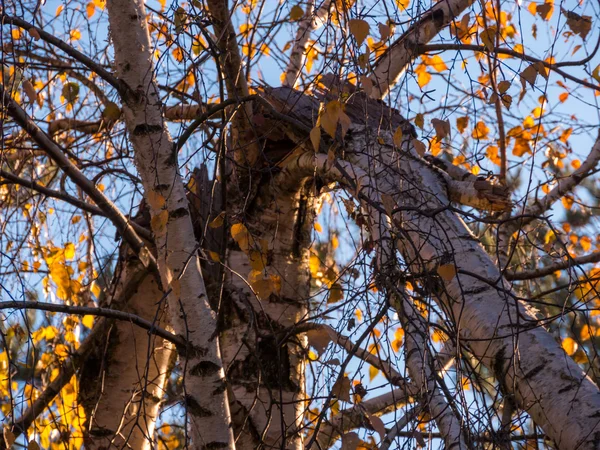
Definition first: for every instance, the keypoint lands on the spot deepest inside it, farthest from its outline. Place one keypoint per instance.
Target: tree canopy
(296, 224)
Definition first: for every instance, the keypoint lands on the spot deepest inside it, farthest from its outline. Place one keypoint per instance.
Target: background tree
(325, 224)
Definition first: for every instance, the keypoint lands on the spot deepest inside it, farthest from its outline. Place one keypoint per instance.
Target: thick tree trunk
(179, 266)
(265, 367)
(499, 329)
(123, 384)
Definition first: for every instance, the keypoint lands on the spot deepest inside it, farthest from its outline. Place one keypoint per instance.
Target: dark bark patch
(146, 129)
(566, 389)
(204, 369)
(179, 212)
(215, 445)
(162, 187)
(533, 372)
(195, 409)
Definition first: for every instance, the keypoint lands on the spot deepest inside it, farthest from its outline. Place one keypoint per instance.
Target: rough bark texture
(265, 367)
(178, 261)
(500, 331)
(123, 384)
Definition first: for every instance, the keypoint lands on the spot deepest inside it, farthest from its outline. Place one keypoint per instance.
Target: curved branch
(54, 151)
(506, 51)
(547, 270)
(88, 62)
(101, 312)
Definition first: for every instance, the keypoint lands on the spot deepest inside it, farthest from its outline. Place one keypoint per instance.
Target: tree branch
(54, 151)
(399, 55)
(88, 62)
(101, 312)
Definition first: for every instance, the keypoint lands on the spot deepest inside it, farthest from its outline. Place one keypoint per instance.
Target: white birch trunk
(266, 378)
(501, 331)
(125, 412)
(179, 266)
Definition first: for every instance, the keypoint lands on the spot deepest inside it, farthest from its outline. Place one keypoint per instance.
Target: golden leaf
(569, 345)
(315, 137)
(214, 256)
(419, 121)
(373, 372)
(341, 389)
(69, 250)
(217, 221)
(159, 221)
(461, 123)
(402, 4)
(90, 9)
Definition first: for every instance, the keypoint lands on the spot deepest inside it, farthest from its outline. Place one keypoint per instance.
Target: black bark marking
(215, 445)
(146, 129)
(194, 407)
(179, 212)
(162, 187)
(204, 369)
(533, 372)
(566, 389)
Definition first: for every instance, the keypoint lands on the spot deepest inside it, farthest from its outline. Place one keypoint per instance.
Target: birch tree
(299, 225)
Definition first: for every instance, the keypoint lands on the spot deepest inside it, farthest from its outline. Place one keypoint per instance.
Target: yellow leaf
(217, 221)
(586, 243)
(563, 97)
(214, 256)
(447, 271)
(178, 54)
(75, 34)
(373, 371)
(438, 63)
(69, 250)
(90, 9)
(419, 121)
(59, 10)
(569, 345)
(567, 202)
(488, 37)
(576, 164)
(359, 29)
(335, 242)
(423, 77)
(88, 321)
(402, 4)
(159, 221)
(315, 137)
(15, 33)
(155, 200)
(480, 131)
(241, 236)
(318, 227)
(264, 284)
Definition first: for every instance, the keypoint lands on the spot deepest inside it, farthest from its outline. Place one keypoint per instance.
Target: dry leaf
(419, 147)
(359, 29)
(447, 271)
(442, 128)
(341, 389)
(296, 13)
(217, 221)
(315, 137)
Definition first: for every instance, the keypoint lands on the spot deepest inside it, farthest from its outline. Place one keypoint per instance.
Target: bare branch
(88, 62)
(101, 312)
(54, 151)
(390, 66)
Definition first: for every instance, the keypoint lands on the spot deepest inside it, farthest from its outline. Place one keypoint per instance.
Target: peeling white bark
(135, 380)
(178, 261)
(311, 21)
(500, 331)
